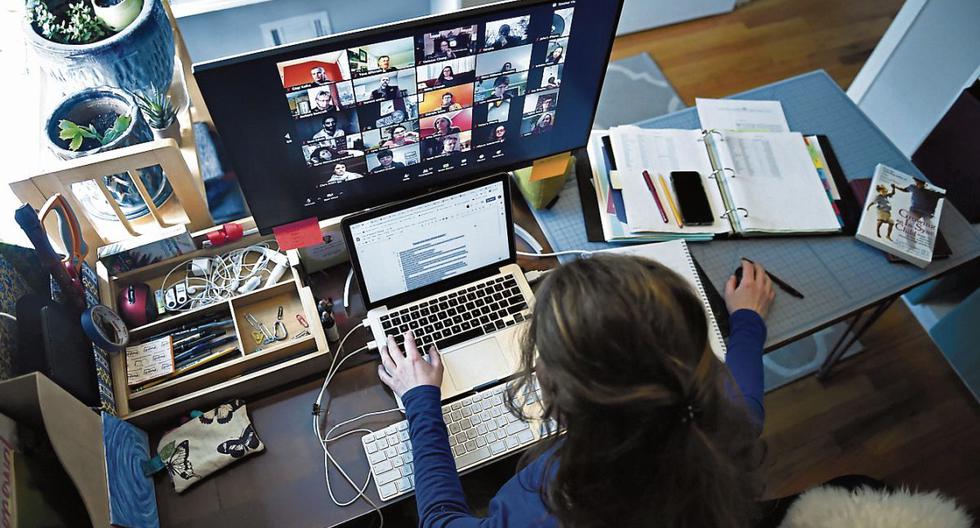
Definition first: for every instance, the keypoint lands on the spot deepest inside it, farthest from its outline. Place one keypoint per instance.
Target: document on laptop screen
(426, 243)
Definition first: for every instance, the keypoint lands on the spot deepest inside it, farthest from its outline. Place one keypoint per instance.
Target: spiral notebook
(675, 255)
(758, 183)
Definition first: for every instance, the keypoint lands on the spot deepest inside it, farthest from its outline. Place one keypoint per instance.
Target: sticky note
(298, 234)
(550, 167)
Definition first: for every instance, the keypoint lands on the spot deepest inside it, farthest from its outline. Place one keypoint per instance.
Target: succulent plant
(157, 108)
(79, 26)
(75, 134)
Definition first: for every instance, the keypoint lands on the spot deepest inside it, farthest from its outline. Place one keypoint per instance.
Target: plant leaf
(76, 142)
(120, 126)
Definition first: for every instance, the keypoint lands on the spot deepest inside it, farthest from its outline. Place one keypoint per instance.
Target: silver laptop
(444, 266)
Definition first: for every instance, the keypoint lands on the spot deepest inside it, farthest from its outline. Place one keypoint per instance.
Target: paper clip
(280, 333)
(306, 325)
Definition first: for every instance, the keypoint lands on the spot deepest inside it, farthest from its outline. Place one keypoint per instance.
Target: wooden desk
(284, 486)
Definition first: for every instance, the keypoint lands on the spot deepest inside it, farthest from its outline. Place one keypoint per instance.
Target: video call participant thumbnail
(327, 152)
(556, 52)
(493, 112)
(493, 134)
(551, 76)
(387, 113)
(501, 87)
(328, 126)
(503, 61)
(385, 86)
(316, 70)
(541, 102)
(446, 73)
(382, 57)
(447, 123)
(538, 124)
(436, 146)
(561, 24)
(343, 171)
(507, 33)
(399, 136)
(447, 99)
(447, 44)
(388, 159)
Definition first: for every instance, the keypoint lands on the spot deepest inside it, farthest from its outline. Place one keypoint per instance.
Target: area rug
(634, 90)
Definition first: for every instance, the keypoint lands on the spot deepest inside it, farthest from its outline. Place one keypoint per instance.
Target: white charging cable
(325, 439)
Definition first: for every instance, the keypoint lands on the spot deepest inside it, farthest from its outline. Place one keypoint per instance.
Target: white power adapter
(200, 267)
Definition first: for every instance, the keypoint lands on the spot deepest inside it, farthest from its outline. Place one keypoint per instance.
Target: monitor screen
(432, 241)
(336, 125)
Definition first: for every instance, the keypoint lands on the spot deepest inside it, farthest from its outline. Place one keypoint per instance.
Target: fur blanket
(833, 507)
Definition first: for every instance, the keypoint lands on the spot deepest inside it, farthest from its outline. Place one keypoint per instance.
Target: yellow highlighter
(670, 200)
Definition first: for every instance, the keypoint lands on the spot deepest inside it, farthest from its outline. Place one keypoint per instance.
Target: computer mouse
(738, 276)
(135, 305)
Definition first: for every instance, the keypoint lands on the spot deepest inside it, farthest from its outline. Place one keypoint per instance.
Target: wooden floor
(896, 412)
(762, 42)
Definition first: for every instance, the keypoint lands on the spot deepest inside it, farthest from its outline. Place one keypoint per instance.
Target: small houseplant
(97, 120)
(160, 114)
(75, 49)
(117, 14)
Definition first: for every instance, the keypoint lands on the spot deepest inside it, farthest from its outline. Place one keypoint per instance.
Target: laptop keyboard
(460, 315)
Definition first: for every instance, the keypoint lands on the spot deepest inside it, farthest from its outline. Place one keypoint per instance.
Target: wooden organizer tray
(252, 369)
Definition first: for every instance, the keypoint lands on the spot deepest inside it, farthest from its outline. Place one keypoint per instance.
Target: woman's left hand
(403, 372)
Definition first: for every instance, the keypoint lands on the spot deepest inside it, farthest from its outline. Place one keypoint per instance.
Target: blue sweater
(439, 493)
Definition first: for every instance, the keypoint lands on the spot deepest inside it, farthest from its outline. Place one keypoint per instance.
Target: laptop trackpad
(476, 364)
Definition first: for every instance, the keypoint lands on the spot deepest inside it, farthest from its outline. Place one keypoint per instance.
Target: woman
(555, 56)
(544, 124)
(444, 125)
(446, 76)
(506, 67)
(657, 431)
(499, 133)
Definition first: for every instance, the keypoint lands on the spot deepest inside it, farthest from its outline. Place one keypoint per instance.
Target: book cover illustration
(901, 215)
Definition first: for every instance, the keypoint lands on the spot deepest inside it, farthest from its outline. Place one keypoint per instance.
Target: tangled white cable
(227, 275)
(327, 438)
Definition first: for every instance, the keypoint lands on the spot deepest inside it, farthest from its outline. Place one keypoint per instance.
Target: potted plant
(76, 49)
(117, 14)
(97, 120)
(160, 113)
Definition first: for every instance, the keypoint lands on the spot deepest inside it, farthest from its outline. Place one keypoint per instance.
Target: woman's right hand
(754, 293)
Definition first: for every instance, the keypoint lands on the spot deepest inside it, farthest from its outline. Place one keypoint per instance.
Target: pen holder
(541, 183)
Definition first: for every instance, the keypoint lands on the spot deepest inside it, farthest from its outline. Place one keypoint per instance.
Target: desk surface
(838, 274)
(284, 486)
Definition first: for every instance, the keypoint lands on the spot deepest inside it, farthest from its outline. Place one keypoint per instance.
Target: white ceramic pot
(172, 132)
(117, 16)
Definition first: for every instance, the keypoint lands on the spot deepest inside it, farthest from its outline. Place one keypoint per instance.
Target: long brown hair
(653, 433)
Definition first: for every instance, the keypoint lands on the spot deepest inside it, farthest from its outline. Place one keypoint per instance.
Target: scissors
(65, 270)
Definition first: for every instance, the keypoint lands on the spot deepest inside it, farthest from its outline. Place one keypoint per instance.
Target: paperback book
(901, 215)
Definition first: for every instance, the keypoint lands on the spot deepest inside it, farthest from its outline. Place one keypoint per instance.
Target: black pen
(780, 282)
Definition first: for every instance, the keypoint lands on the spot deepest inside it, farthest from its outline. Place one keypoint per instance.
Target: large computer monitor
(335, 125)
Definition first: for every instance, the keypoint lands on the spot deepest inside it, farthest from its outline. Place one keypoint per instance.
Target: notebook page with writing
(675, 255)
(775, 181)
(661, 151)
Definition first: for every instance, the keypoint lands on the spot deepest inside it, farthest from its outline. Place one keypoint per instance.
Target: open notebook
(757, 182)
(675, 255)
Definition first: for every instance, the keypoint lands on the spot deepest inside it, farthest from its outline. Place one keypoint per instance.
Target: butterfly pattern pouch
(207, 443)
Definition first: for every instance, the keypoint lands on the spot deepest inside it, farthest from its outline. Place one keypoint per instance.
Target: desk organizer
(253, 369)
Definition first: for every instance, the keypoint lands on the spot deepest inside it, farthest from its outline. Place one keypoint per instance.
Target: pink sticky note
(298, 234)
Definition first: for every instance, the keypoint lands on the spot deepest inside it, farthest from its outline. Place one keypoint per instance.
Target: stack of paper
(759, 179)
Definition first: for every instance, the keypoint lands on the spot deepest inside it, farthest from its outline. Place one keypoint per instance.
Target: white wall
(924, 60)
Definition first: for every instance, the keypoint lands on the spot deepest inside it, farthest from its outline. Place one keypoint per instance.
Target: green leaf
(167, 451)
(118, 128)
(76, 142)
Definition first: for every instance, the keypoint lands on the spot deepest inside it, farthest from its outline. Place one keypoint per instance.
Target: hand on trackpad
(476, 364)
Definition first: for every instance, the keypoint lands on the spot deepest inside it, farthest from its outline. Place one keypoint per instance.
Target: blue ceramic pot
(139, 56)
(102, 104)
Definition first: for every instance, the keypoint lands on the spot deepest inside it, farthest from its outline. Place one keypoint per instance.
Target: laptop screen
(428, 242)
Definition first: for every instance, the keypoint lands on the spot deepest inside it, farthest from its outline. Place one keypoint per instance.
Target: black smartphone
(691, 198)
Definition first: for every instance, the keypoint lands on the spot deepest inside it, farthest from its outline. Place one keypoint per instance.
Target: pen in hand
(783, 285)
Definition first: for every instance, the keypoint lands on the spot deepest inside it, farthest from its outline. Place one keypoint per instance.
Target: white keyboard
(480, 429)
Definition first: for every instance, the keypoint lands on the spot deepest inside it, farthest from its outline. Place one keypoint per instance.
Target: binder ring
(705, 133)
(723, 169)
(744, 211)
